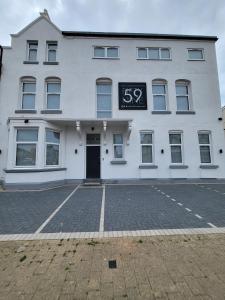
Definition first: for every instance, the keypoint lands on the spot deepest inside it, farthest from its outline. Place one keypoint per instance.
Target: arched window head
(104, 97)
(28, 92)
(159, 91)
(183, 94)
(53, 91)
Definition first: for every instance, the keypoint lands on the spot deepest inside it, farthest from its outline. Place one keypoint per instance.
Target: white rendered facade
(78, 71)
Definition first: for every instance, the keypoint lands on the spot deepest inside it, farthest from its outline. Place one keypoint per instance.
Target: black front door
(93, 161)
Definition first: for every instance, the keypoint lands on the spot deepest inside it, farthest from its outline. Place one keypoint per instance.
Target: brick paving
(165, 267)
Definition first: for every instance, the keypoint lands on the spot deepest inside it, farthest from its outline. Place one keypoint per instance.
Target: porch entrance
(93, 154)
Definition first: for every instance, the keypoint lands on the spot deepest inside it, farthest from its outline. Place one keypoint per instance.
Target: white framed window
(32, 47)
(118, 148)
(104, 97)
(195, 54)
(146, 139)
(159, 92)
(204, 139)
(28, 93)
(26, 146)
(106, 52)
(53, 91)
(176, 148)
(153, 53)
(52, 141)
(183, 95)
(52, 51)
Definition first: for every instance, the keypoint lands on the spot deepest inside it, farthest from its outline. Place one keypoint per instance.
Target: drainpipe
(1, 54)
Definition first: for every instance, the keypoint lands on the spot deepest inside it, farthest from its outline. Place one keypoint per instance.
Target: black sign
(132, 95)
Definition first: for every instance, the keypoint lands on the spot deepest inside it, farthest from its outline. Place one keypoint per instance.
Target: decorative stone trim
(178, 166)
(25, 111)
(34, 170)
(161, 112)
(183, 112)
(118, 162)
(51, 111)
(27, 62)
(208, 166)
(148, 166)
(50, 62)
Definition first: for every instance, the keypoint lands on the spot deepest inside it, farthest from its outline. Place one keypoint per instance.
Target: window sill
(118, 162)
(109, 58)
(34, 170)
(147, 166)
(51, 111)
(209, 166)
(27, 62)
(178, 166)
(161, 112)
(195, 59)
(50, 62)
(25, 111)
(157, 59)
(185, 112)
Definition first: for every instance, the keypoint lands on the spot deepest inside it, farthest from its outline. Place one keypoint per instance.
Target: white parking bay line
(198, 216)
(102, 216)
(212, 225)
(56, 210)
(188, 209)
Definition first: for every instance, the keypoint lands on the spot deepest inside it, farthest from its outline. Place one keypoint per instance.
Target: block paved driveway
(113, 208)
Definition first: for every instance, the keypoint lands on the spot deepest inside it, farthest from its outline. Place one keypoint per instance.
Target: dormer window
(32, 50)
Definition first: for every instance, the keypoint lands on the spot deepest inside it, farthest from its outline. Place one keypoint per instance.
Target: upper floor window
(176, 149)
(153, 53)
(52, 51)
(183, 95)
(118, 146)
(205, 147)
(106, 52)
(52, 140)
(28, 86)
(53, 91)
(195, 54)
(32, 47)
(146, 147)
(104, 98)
(159, 91)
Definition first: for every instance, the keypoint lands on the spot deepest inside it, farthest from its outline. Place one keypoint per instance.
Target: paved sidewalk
(164, 267)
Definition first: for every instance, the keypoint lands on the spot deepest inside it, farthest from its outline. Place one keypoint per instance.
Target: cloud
(202, 17)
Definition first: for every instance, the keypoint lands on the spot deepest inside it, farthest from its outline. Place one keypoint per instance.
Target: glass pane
(182, 103)
(142, 53)
(104, 88)
(27, 135)
(29, 87)
(175, 138)
(33, 45)
(52, 46)
(99, 52)
(53, 87)
(52, 136)
(117, 139)
(53, 102)
(203, 138)
(112, 52)
(104, 114)
(158, 89)
(182, 89)
(28, 101)
(118, 151)
(93, 139)
(153, 53)
(176, 156)
(195, 54)
(146, 154)
(51, 55)
(205, 154)
(25, 154)
(146, 138)
(104, 102)
(52, 155)
(165, 53)
(32, 55)
(159, 103)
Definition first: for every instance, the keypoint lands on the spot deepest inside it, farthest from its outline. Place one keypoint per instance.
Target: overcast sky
(200, 17)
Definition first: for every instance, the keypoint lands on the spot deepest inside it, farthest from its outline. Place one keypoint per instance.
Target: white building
(77, 105)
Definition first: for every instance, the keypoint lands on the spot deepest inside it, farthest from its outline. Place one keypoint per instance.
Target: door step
(92, 182)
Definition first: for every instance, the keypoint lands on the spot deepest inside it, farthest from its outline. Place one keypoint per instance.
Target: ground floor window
(52, 147)
(146, 147)
(118, 146)
(204, 146)
(175, 140)
(26, 146)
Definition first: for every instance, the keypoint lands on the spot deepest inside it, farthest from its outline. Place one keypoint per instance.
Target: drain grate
(112, 264)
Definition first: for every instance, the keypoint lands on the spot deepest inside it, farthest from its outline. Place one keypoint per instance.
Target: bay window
(52, 139)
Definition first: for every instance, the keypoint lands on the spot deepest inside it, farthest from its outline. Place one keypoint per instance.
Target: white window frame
(28, 51)
(122, 145)
(152, 145)
(47, 50)
(106, 52)
(158, 48)
(22, 93)
(196, 49)
(102, 81)
(180, 145)
(51, 143)
(52, 80)
(209, 145)
(188, 85)
(25, 142)
(160, 82)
